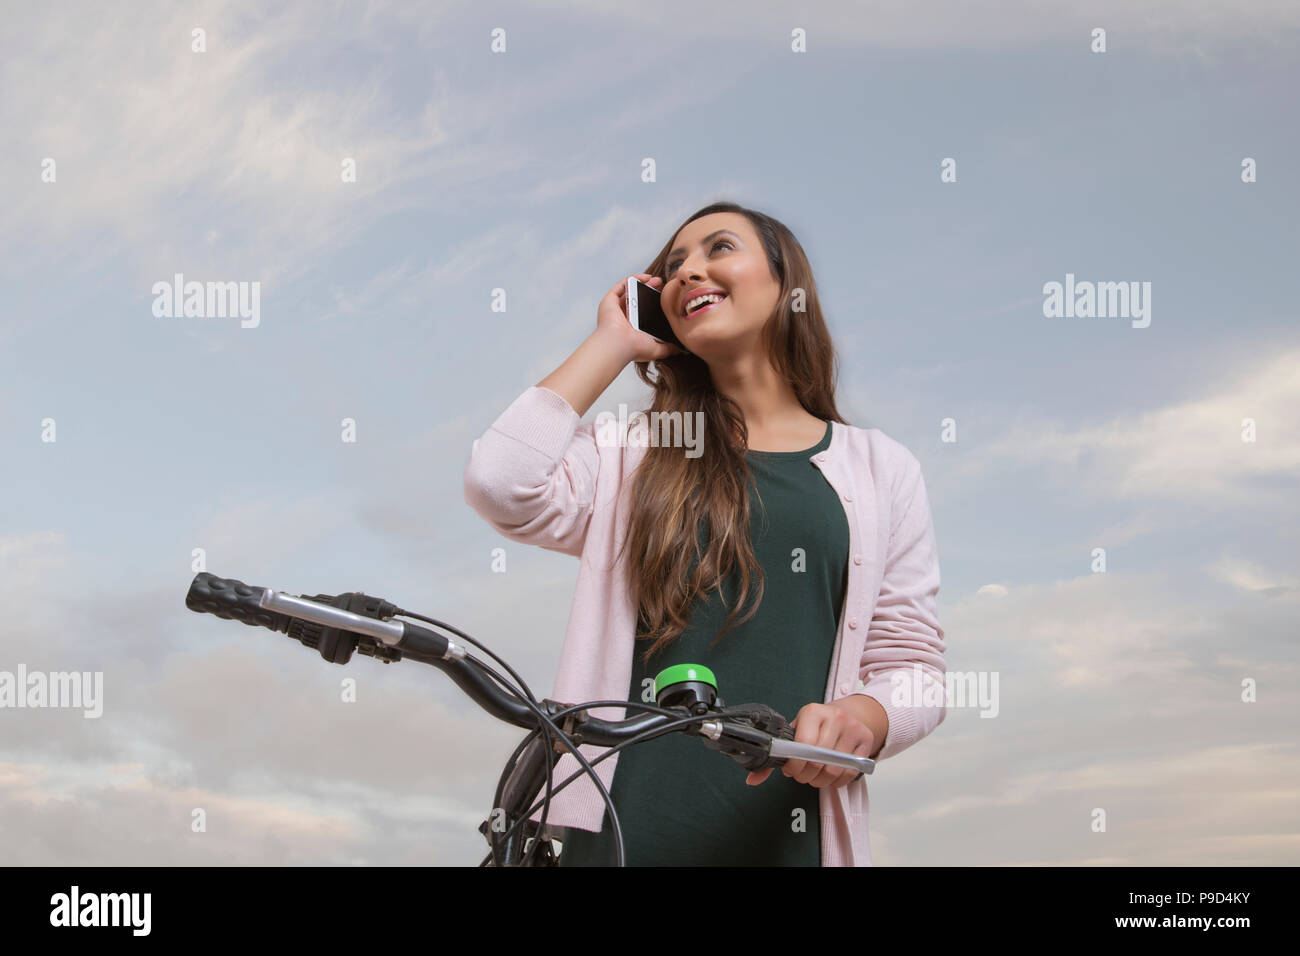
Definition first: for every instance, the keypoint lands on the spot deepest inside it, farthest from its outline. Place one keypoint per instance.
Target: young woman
(794, 555)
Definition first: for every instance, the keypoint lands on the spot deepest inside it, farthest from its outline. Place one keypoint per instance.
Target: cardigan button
(848, 497)
(857, 559)
(844, 688)
(822, 456)
(853, 623)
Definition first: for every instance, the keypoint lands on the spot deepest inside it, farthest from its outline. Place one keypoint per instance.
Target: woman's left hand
(823, 725)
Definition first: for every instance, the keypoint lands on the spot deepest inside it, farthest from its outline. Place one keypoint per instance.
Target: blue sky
(521, 170)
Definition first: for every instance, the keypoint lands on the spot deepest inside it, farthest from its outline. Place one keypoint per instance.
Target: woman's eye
(717, 242)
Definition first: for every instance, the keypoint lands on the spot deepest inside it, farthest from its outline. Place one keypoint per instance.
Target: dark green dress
(682, 804)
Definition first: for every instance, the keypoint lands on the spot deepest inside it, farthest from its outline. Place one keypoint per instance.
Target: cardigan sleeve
(532, 475)
(905, 633)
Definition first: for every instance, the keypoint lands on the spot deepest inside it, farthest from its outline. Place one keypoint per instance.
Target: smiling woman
(748, 343)
(762, 557)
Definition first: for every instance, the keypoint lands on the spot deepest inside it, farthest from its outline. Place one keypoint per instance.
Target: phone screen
(645, 312)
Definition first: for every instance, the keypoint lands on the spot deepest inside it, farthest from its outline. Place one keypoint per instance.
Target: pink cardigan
(540, 477)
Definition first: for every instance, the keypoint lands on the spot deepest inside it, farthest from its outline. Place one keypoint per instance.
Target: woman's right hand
(612, 320)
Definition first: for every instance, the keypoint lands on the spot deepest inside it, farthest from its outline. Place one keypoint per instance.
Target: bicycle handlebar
(385, 639)
(753, 735)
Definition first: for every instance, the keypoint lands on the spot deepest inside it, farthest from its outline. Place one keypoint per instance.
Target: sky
(129, 438)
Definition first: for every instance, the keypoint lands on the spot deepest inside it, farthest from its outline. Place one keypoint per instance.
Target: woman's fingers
(807, 730)
(831, 739)
(822, 727)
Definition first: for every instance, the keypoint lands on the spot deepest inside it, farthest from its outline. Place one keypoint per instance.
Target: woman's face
(719, 252)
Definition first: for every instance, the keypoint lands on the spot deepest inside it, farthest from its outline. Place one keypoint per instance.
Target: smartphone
(645, 312)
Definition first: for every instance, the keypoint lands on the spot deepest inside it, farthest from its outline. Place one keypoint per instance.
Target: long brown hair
(673, 497)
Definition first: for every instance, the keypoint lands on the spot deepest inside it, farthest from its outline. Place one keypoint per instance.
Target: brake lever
(783, 750)
(761, 738)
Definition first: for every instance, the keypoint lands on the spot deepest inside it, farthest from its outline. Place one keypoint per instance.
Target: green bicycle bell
(692, 686)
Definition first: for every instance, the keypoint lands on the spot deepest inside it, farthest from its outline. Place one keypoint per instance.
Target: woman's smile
(708, 308)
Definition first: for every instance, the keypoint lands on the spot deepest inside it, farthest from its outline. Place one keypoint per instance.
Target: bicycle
(686, 701)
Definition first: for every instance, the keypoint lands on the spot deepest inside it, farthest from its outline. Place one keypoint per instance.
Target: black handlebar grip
(233, 600)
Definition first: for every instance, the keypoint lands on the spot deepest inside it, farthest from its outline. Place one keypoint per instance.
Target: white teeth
(694, 303)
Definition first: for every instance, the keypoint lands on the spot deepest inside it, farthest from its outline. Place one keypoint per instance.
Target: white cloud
(168, 150)
(253, 532)
(42, 804)
(1148, 773)
(1196, 806)
(1190, 450)
(1125, 531)
(1107, 632)
(1119, 692)
(28, 560)
(1251, 577)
